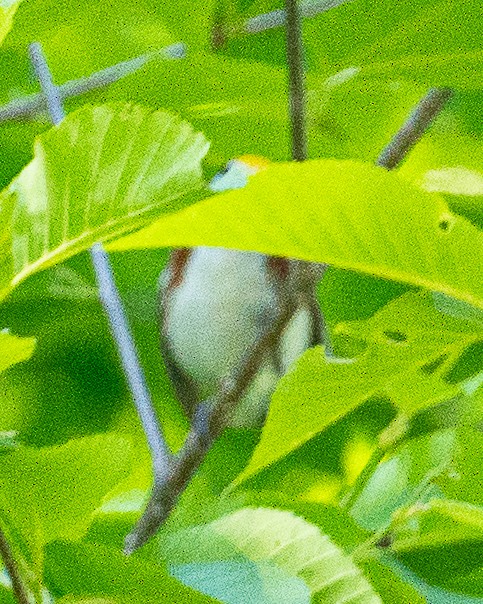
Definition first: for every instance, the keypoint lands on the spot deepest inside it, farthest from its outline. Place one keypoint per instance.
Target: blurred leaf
(8, 8)
(278, 537)
(102, 172)
(58, 488)
(93, 570)
(241, 581)
(437, 522)
(466, 478)
(240, 106)
(389, 585)
(347, 214)
(404, 338)
(14, 350)
(405, 478)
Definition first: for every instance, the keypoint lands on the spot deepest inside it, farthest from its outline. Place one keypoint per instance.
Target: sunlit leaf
(14, 349)
(351, 215)
(103, 171)
(403, 339)
(281, 538)
(8, 9)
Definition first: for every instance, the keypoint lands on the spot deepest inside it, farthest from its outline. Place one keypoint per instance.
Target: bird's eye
(225, 169)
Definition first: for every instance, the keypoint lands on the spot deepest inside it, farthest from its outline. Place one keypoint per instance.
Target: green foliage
(14, 350)
(365, 483)
(103, 171)
(265, 535)
(353, 216)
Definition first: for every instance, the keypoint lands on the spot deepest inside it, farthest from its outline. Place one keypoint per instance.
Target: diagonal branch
(160, 455)
(210, 423)
(18, 587)
(420, 119)
(30, 105)
(278, 18)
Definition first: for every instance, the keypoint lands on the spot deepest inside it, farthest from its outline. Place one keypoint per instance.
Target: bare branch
(277, 18)
(295, 61)
(160, 455)
(421, 117)
(18, 588)
(204, 432)
(30, 105)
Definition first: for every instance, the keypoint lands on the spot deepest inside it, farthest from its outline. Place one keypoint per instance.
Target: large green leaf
(348, 214)
(14, 349)
(281, 538)
(102, 172)
(404, 339)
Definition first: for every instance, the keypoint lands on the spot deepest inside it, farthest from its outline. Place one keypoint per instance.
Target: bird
(213, 304)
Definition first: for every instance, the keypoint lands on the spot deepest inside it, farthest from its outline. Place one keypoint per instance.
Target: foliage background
(366, 67)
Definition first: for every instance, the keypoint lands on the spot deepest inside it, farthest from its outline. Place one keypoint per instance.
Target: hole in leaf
(446, 223)
(395, 336)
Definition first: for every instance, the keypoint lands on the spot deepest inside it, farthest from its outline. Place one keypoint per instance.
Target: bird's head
(237, 171)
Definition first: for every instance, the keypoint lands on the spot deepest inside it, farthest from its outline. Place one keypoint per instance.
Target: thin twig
(30, 105)
(421, 117)
(203, 434)
(34, 103)
(295, 61)
(277, 18)
(160, 455)
(18, 587)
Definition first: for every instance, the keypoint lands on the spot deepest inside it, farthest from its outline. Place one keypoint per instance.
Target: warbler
(214, 303)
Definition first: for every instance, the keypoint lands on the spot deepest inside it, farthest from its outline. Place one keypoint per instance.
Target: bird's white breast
(219, 314)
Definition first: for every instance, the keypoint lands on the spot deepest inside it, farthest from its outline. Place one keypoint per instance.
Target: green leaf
(388, 584)
(403, 479)
(14, 349)
(404, 338)
(465, 481)
(57, 489)
(347, 214)
(8, 8)
(93, 570)
(455, 566)
(437, 522)
(103, 171)
(281, 538)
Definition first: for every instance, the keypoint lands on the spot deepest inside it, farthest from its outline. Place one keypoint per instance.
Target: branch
(18, 588)
(207, 426)
(421, 117)
(295, 60)
(160, 455)
(30, 105)
(277, 18)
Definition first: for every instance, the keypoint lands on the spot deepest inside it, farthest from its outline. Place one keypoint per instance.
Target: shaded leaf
(57, 489)
(94, 570)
